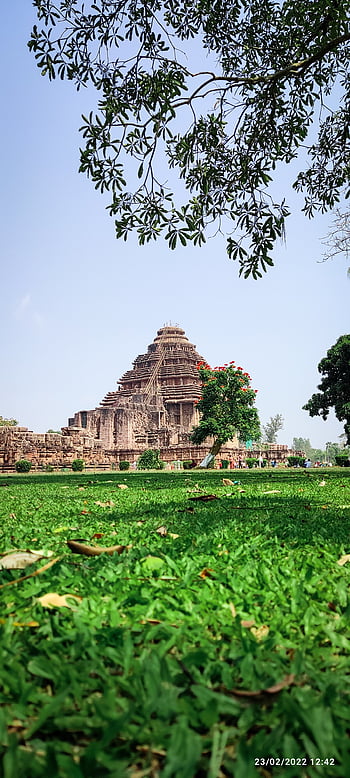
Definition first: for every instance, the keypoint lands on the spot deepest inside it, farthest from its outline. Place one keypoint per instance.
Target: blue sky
(77, 306)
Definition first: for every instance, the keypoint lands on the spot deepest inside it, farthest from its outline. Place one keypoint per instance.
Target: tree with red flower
(226, 407)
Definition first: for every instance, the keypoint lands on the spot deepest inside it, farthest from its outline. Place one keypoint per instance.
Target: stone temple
(154, 405)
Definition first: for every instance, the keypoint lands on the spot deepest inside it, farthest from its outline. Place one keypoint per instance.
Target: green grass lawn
(200, 652)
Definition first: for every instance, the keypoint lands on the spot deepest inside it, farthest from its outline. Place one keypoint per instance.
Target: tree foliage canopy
(220, 91)
(335, 385)
(272, 427)
(8, 422)
(226, 407)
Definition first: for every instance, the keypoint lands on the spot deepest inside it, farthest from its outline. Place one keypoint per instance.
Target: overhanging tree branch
(249, 113)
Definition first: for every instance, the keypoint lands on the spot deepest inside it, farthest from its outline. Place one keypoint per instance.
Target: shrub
(23, 466)
(149, 460)
(188, 464)
(252, 462)
(225, 463)
(124, 464)
(342, 460)
(295, 461)
(78, 465)
(49, 468)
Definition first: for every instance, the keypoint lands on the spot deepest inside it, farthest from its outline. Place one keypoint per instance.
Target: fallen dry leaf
(233, 610)
(162, 531)
(206, 572)
(108, 504)
(260, 632)
(343, 560)
(21, 623)
(54, 600)
(205, 497)
(322, 483)
(83, 548)
(288, 680)
(98, 535)
(31, 575)
(122, 486)
(227, 482)
(173, 535)
(20, 559)
(272, 491)
(248, 623)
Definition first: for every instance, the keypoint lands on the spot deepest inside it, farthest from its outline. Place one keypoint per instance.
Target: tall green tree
(302, 444)
(222, 93)
(271, 429)
(8, 422)
(335, 385)
(226, 407)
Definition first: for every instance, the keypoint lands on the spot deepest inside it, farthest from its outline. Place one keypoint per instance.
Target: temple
(154, 405)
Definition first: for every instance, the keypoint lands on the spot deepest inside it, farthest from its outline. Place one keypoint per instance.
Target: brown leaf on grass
(227, 482)
(206, 572)
(343, 560)
(272, 491)
(31, 575)
(83, 548)
(108, 504)
(322, 483)
(139, 523)
(20, 559)
(162, 531)
(260, 632)
(288, 680)
(205, 497)
(173, 535)
(241, 490)
(98, 535)
(21, 623)
(122, 486)
(248, 623)
(233, 610)
(54, 600)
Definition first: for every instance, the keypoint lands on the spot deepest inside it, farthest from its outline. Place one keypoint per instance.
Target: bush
(124, 464)
(295, 461)
(188, 464)
(342, 460)
(49, 468)
(252, 462)
(149, 460)
(23, 466)
(225, 463)
(78, 465)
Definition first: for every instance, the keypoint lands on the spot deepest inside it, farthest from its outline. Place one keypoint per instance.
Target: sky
(78, 306)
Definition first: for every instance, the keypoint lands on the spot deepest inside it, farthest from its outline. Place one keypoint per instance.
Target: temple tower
(154, 405)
